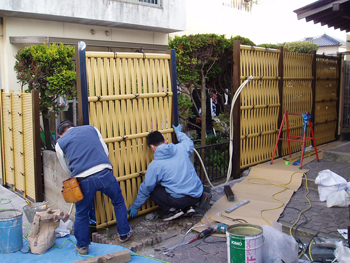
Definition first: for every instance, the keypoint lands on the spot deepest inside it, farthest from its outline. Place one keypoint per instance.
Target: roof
(324, 41)
(333, 13)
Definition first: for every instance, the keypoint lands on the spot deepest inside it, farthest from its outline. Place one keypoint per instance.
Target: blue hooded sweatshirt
(173, 169)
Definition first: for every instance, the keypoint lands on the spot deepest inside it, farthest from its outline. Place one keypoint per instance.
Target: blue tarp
(64, 251)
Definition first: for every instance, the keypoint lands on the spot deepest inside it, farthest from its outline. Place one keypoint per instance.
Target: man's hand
(133, 212)
(177, 128)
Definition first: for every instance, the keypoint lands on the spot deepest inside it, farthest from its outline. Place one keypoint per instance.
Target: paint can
(10, 230)
(244, 243)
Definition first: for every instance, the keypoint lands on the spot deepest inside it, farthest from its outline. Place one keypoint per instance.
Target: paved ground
(156, 239)
(317, 220)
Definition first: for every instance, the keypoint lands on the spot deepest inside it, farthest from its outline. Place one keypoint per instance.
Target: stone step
(340, 154)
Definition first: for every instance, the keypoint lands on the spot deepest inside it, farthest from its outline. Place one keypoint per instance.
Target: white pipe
(237, 93)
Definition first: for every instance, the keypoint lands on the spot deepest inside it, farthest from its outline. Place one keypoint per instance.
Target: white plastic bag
(329, 182)
(278, 246)
(341, 253)
(340, 198)
(64, 228)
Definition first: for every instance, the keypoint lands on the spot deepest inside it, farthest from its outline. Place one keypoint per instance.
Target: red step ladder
(292, 138)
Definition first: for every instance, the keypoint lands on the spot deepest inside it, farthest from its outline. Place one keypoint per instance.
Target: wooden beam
(120, 257)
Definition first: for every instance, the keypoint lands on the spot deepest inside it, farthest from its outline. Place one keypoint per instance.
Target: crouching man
(171, 180)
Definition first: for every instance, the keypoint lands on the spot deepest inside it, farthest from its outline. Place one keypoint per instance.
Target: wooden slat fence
(326, 98)
(129, 95)
(283, 81)
(20, 134)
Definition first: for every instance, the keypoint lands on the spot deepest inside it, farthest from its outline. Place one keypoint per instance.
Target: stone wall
(54, 175)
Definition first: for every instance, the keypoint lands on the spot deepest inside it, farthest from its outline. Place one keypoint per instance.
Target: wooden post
(2, 177)
(339, 107)
(313, 90)
(172, 66)
(236, 160)
(280, 94)
(83, 104)
(39, 197)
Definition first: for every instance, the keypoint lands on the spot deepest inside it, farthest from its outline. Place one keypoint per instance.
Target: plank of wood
(120, 256)
(229, 194)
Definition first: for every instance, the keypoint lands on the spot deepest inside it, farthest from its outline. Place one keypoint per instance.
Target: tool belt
(71, 191)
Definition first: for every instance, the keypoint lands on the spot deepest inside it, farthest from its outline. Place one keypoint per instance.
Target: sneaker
(173, 214)
(82, 250)
(190, 211)
(125, 238)
(172, 209)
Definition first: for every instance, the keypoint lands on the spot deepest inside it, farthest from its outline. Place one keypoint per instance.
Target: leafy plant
(48, 69)
(301, 46)
(185, 105)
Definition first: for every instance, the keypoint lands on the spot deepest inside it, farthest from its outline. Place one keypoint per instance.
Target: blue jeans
(105, 182)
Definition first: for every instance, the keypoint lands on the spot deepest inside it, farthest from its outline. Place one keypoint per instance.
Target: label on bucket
(244, 244)
(245, 250)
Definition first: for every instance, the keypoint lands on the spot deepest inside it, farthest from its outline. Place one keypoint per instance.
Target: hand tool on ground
(229, 210)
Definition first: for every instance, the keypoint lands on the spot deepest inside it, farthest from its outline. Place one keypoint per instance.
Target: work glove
(177, 128)
(133, 212)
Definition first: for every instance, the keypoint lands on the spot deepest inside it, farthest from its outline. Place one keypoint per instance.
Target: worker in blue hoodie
(171, 180)
(83, 154)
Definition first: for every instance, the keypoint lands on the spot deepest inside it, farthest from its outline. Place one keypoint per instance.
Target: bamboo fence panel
(326, 99)
(18, 143)
(130, 94)
(29, 147)
(259, 104)
(8, 142)
(297, 95)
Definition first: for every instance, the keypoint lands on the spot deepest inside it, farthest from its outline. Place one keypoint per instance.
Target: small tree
(195, 58)
(49, 70)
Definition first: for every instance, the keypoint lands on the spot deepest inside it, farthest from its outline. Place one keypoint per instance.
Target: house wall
(75, 19)
(330, 50)
(116, 13)
(21, 27)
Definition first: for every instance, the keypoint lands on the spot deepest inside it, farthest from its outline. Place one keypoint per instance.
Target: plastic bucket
(10, 230)
(30, 211)
(244, 243)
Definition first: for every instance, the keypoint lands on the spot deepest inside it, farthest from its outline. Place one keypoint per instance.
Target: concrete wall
(54, 175)
(163, 18)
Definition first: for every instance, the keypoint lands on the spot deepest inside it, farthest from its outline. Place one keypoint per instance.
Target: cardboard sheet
(264, 184)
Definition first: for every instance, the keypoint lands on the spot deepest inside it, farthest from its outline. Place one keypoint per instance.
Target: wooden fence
(20, 144)
(282, 81)
(129, 95)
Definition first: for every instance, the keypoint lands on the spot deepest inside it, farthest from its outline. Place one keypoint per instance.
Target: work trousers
(105, 182)
(165, 201)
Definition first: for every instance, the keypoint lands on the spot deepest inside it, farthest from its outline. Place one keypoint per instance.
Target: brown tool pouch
(71, 191)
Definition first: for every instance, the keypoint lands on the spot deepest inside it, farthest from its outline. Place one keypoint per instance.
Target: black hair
(155, 138)
(63, 126)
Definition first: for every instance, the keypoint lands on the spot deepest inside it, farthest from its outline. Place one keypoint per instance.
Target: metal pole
(83, 104)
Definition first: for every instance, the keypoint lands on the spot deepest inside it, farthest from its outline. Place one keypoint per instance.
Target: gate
(125, 96)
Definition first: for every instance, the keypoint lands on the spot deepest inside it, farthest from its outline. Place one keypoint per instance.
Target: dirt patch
(151, 233)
